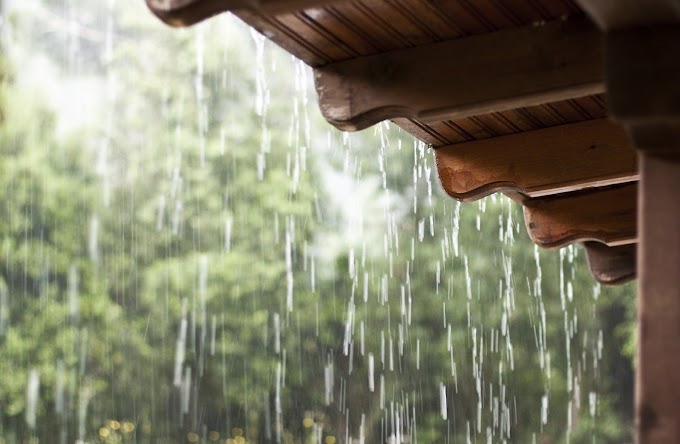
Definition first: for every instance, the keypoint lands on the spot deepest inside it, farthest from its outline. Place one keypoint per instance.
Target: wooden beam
(621, 14)
(607, 215)
(611, 265)
(538, 163)
(465, 77)
(188, 12)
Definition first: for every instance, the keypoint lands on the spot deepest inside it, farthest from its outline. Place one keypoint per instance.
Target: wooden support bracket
(465, 77)
(606, 215)
(611, 265)
(537, 163)
(188, 12)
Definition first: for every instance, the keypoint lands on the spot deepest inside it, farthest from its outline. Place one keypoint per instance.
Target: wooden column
(658, 357)
(643, 69)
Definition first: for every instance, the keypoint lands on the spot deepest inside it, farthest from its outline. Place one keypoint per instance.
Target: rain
(190, 253)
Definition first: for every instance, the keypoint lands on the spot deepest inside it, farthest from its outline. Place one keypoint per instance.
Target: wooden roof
(509, 93)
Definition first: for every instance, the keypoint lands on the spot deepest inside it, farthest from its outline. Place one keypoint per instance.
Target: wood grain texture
(350, 29)
(538, 163)
(449, 132)
(606, 215)
(188, 12)
(612, 265)
(465, 77)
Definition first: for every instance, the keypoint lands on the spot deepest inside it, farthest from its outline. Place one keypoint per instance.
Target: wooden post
(642, 69)
(658, 357)
(643, 92)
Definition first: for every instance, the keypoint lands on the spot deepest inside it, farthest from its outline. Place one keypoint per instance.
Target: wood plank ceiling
(509, 93)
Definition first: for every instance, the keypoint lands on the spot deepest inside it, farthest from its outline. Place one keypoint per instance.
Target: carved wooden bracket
(611, 265)
(465, 77)
(606, 215)
(537, 163)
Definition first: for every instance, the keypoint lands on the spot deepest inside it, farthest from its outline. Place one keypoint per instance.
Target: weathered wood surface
(465, 77)
(607, 215)
(658, 358)
(538, 163)
(620, 14)
(189, 12)
(612, 265)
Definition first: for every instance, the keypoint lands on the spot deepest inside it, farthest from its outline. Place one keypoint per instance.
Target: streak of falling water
(329, 381)
(203, 306)
(362, 437)
(200, 95)
(371, 373)
(312, 274)
(278, 409)
(83, 403)
(442, 401)
(160, 213)
(418, 354)
(382, 391)
(228, 229)
(592, 402)
(289, 265)
(93, 239)
(180, 348)
(32, 393)
(213, 331)
(277, 333)
(185, 391)
(73, 294)
(4, 308)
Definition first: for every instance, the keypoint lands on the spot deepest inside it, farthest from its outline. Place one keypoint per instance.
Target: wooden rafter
(465, 77)
(611, 265)
(606, 215)
(538, 163)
